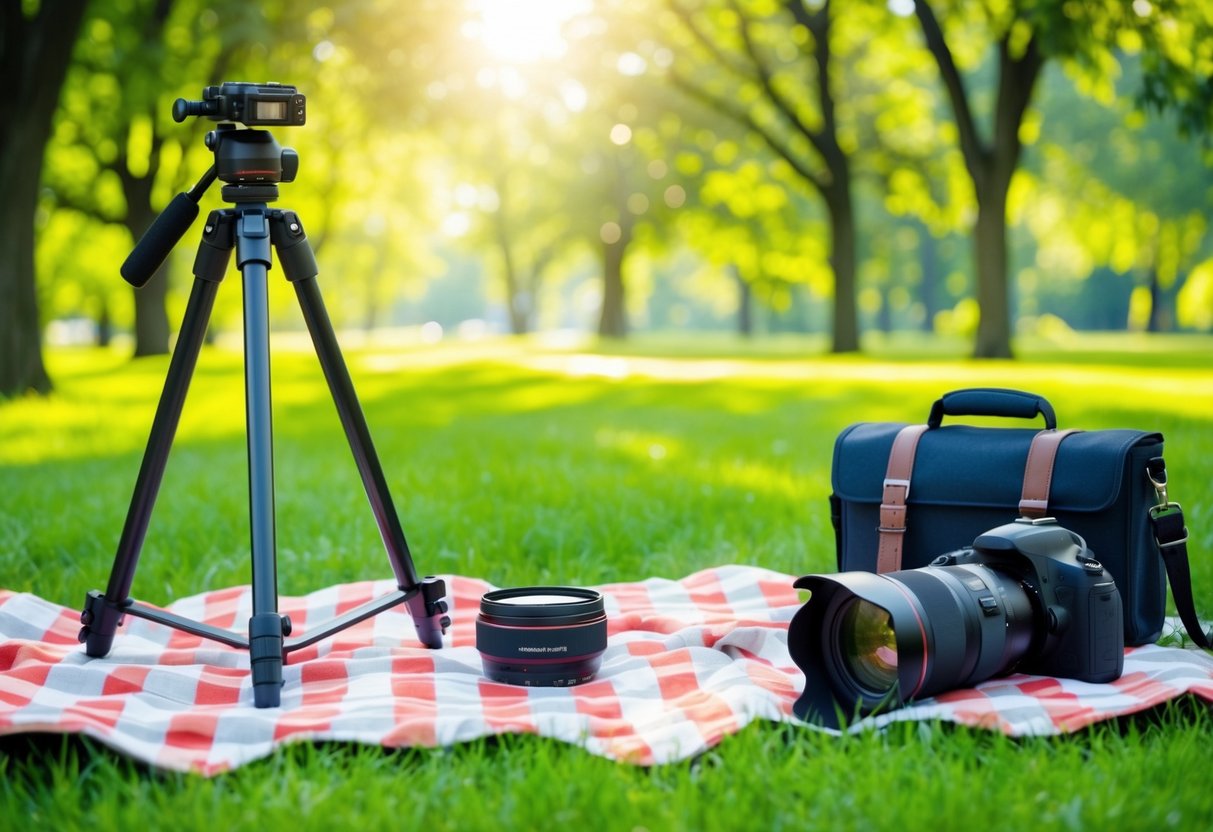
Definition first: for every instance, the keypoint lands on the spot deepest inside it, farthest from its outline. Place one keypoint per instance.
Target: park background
(611, 276)
(979, 170)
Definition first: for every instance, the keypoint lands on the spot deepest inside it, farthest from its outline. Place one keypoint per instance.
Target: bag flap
(963, 465)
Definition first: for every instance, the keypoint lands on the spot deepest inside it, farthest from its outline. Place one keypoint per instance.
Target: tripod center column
(253, 258)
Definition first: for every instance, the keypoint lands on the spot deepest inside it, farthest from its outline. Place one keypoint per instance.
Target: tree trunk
(21, 367)
(105, 325)
(613, 321)
(370, 310)
(884, 315)
(151, 315)
(928, 287)
(842, 259)
(34, 56)
(1160, 317)
(745, 305)
(514, 303)
(990, 254)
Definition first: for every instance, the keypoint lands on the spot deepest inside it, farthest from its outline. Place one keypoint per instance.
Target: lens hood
(541, 636)
(932, 629)
(811, 640)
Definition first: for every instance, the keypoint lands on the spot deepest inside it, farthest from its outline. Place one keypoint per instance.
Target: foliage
(452, 138)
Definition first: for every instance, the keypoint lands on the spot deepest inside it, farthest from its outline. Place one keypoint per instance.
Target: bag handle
(1171, 537)
(992, 401)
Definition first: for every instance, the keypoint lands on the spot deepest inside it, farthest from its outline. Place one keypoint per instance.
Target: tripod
(251, 163)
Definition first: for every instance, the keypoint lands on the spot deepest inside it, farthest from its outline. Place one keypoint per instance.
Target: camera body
(1077, 608)
(1027, 596)
(269, 104)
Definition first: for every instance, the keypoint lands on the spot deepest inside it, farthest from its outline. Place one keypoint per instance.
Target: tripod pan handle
(159, 240)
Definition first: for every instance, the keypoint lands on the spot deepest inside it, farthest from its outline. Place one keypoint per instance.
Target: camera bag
(904, 494)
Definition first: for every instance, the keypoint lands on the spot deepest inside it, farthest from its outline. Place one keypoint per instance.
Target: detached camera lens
(545, 636)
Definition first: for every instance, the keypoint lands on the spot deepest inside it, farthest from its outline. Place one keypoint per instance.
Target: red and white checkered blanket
(687, 662)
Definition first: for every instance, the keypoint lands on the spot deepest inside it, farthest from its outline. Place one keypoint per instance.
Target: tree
(1026, 35)
(743, 219)
(514, 161)
(1117, 198)
(35, 50)
(775, 74)
(115, 89)
(122, 155)
(990, 163)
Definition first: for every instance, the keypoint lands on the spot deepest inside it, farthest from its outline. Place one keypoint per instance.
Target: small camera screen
(269, 110)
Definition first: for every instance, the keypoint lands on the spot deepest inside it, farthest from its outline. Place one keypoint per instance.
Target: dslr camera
(1028, 597)
(252, 105)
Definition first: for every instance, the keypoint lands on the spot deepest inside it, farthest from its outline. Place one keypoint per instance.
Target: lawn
(523, 463)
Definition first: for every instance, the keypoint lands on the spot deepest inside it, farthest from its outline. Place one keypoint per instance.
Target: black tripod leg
(266, 627)
(427, 606)
(102, 613)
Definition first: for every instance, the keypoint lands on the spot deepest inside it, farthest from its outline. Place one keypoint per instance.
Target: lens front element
(868, 646)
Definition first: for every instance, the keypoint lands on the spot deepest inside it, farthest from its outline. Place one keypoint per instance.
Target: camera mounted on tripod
(251, 163)
(254, 105)
(247, 157)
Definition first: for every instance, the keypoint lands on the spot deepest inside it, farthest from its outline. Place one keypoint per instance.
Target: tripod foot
(428, 608)
(266, 657)
(100, 619)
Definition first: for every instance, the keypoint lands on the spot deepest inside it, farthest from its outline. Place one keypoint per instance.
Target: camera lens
(541, 635)
(867, 646)
(867, 642)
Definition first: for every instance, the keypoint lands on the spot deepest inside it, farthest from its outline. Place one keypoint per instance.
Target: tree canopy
(608, 165)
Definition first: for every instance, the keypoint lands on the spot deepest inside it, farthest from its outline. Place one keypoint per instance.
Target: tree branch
(767, 80)
(701, 37)
(1017, 79)
(970, 142)
(745, 119)
(818, 24)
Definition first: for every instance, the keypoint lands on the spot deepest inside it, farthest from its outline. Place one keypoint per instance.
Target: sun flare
(524, 31)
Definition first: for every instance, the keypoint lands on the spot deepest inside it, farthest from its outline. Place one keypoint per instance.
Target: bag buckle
(1157, 474)
(1162, 511)
(894, 499)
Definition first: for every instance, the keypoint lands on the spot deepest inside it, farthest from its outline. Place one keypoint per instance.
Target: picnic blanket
(687, 662)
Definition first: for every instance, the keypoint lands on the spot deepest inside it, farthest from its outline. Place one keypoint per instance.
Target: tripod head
(250, 162)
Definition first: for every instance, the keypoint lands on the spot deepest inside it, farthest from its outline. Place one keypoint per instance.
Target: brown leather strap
(893, 499)
(1038, 473)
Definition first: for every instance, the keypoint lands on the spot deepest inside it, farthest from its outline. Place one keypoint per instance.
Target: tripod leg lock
(266, 657)
(215, 249)
(429, 611)
(294, 251)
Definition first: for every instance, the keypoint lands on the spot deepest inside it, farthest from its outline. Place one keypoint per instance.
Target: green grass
(524, 463)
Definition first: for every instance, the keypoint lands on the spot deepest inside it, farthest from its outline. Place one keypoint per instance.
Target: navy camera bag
(905, 494)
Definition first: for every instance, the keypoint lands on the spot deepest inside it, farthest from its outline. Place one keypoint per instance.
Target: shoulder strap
(1171, 535)
(894, 495)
